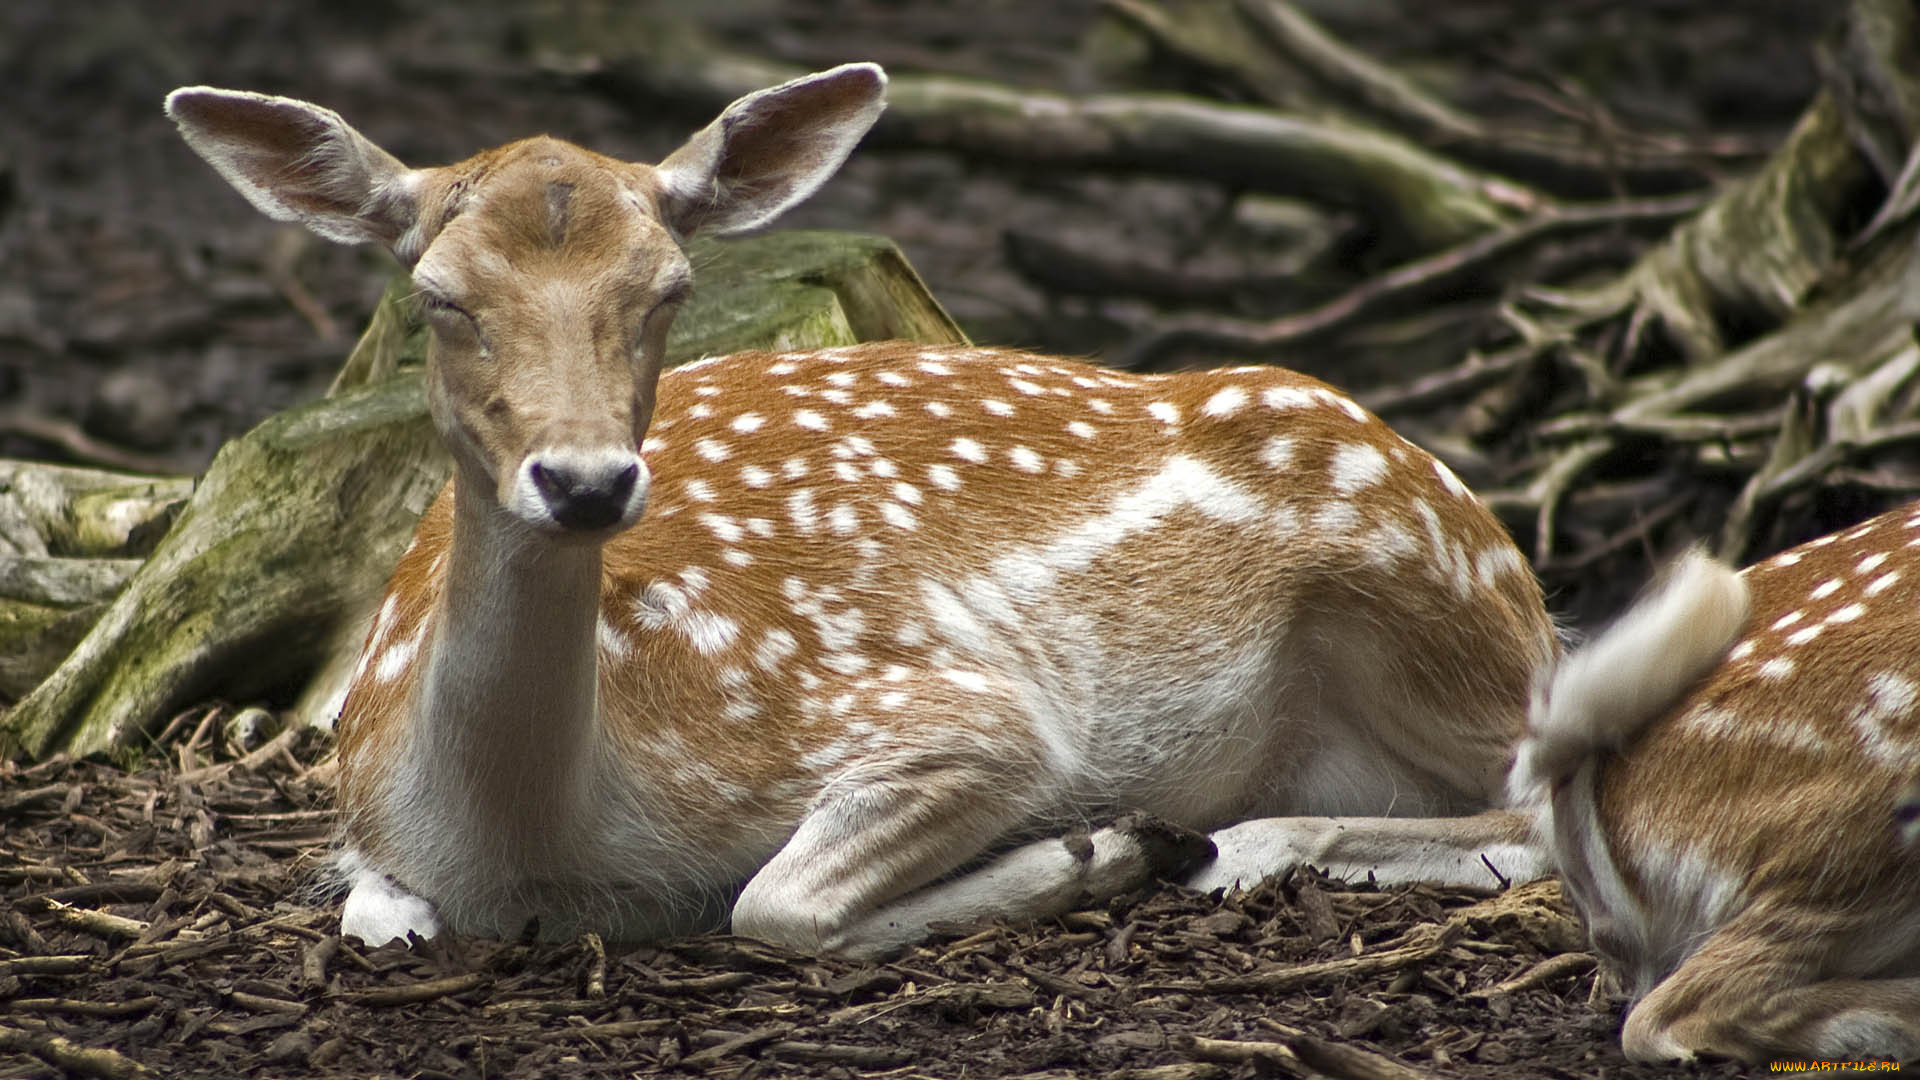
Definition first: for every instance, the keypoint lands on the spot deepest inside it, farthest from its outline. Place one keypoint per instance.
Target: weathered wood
(70, 538)
(268, 573)
(1416, 199)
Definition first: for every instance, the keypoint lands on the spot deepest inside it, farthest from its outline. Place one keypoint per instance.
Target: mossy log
(262, 585)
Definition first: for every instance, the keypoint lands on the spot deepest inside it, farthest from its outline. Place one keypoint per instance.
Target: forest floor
(175, 922)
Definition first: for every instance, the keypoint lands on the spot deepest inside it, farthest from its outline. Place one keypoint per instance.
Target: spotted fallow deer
(1723, 779)
(898, 624)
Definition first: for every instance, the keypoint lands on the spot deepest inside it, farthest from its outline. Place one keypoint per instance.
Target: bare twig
(79, 445)
(1446, 270)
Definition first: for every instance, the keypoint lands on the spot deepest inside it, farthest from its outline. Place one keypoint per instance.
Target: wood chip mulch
(167, 923)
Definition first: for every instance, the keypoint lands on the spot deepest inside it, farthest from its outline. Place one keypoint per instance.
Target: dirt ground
(173, 916)
(176, 918)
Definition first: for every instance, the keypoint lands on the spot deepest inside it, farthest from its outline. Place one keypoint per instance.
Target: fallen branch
(85, 1061)
(1551, 970)
(1446, 271)
(1417, 200)
(414, 993)
(1430, 941)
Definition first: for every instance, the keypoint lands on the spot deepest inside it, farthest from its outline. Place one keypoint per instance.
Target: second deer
(1724, 779)
(840, 643)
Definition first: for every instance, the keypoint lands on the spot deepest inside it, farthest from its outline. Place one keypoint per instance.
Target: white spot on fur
(748, 423)
(1164, 411)
(713, 449)
(1027, 460)
(755, 477)
(968, 450)
(1787, 620)
(1335, 517)
(996, 407)
(1776, 669)
(1825, 589)
(812, 421)
(966, 680)
(906, 493)
(802, 512)
(1447, 477)
(775, 647)
(898, 516)
(938, 409)
(1346, 404)
(1082, 429)
(1498, 560)
(943, 477)
(1890, 697)
(1847, 614)
(395, 660)
(1805, 634)
(1277, 452)
(1357, 466)
(1286, 397)
(844, 663)
(708, 632)
(723, 527)
(874, 410)
(1882, 583)
(1225, 402)
(843, 519)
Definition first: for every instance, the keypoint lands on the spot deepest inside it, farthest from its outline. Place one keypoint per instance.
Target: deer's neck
(508, 710)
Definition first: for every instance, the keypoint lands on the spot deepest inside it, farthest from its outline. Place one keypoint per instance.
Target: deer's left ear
(299, 162)
(769, 150)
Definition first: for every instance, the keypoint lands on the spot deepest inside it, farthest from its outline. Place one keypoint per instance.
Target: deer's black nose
(585, 494)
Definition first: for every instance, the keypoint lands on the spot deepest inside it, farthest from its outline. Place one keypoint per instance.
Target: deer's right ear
(299, 162)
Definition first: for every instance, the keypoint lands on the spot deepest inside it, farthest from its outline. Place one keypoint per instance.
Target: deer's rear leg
(1481, 849)
(1737, 997)
(862, 876)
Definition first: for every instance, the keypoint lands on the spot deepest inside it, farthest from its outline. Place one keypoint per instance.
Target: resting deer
(1730, 820)
(896, 620)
